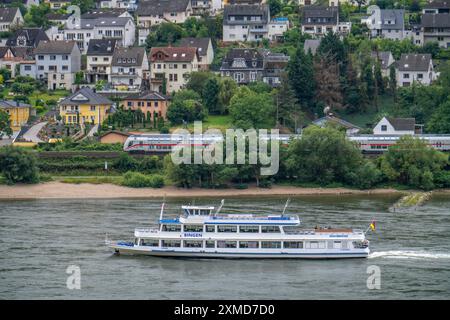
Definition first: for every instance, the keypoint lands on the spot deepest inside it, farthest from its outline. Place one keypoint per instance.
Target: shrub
(265, 184)
(139, 180)
(18, 165)
(125, 163)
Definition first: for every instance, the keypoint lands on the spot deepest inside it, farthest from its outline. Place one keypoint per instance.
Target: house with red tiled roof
(171, 65)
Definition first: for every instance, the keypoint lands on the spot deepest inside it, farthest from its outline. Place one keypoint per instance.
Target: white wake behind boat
(202, 232)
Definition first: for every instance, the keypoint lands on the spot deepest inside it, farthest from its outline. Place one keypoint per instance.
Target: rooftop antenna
(220, 207)
(286, 205)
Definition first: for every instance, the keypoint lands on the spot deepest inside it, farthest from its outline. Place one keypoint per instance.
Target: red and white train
(163, 143)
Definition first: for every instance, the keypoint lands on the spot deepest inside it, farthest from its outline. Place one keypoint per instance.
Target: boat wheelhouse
(200, 231)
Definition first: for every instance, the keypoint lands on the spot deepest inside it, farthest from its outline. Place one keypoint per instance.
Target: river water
(40, 239)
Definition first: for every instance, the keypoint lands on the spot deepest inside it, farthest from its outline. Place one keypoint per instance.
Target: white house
(243, 22)
(10, 17)
(151, 12)
(414, 67)
(171, 65)
(396, 126)
(205, 50)
(83, 30)
(57, 62)
(386, 23)
(129, 67)
(99, 59)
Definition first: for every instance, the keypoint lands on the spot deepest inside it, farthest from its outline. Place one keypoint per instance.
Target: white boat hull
(273, 254)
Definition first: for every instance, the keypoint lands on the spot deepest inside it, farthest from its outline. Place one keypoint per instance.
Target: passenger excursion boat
(202, 232)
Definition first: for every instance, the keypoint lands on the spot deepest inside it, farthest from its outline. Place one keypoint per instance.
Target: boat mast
(161, 216)
(285, 206)
(220, 207)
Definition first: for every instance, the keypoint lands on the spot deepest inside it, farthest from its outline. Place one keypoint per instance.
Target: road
(32, 133)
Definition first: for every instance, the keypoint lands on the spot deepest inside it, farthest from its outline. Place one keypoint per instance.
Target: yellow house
(19, 113)
(57, 4)
(85, 106)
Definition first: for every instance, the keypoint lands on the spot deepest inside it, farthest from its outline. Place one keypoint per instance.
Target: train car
(163, 143)
(380, 143)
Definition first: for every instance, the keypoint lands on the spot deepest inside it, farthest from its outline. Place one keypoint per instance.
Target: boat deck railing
(252, 217)
(146, 230)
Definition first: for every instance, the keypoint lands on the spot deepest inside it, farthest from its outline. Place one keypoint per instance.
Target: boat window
(249, 244)
(171, 243)
(249, 229)
(171, 227)
(270, 229)
(204, 212)
(226, 244)
(270, 244)
(226, 228)
(193, 243)
(150, 242)
(293, 244)
(337, 245)
(193, 228)
(210, 244)
(210, 228)
(136, 241)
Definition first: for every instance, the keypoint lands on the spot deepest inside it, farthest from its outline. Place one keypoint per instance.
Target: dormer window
(119, 60)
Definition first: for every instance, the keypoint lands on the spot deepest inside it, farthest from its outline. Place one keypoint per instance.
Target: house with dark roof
(11, 57)
(386, 23)
(205, 50)
(437, 7)
(249, 65)
(58, 18)
(172, 66)
(85, 106)
(107, 13)
(414, 67)
(57, 4)
(152, 12)
(121, 29)
(99, 58)
(10, 17)
(27, 37)
(435, 27)
(386, 59)
(330, 118)
(129, 68)
(397, 126)
(318, 21)
(153, 104)
(57, 62)
(244, 22)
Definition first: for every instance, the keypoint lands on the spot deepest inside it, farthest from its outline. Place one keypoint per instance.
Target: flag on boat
(372, 225)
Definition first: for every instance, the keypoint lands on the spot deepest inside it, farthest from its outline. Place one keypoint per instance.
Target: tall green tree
(301, 76)
(211, 96)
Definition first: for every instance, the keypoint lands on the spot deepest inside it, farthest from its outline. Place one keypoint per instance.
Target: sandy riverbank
(58, 190)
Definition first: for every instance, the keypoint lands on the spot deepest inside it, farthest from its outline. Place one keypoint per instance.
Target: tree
(360, 3)
(326, 75)
(393, 82)
(166, 33)
(211, 96)
(197, 80)
(5, 124)
(36, 16)
(411, 162)
(353, 97)
(287, 106)
(85, 5)
(249, 109)
(440, 120)
(186, 107)
(332, 48)
(228, 88)
(323, 155)
(301, 76)
(275, 7)
(18, 165)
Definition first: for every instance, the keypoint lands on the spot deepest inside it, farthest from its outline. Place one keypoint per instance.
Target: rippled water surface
(40, 239)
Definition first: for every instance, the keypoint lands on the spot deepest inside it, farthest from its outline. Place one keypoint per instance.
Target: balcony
(124, 74)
